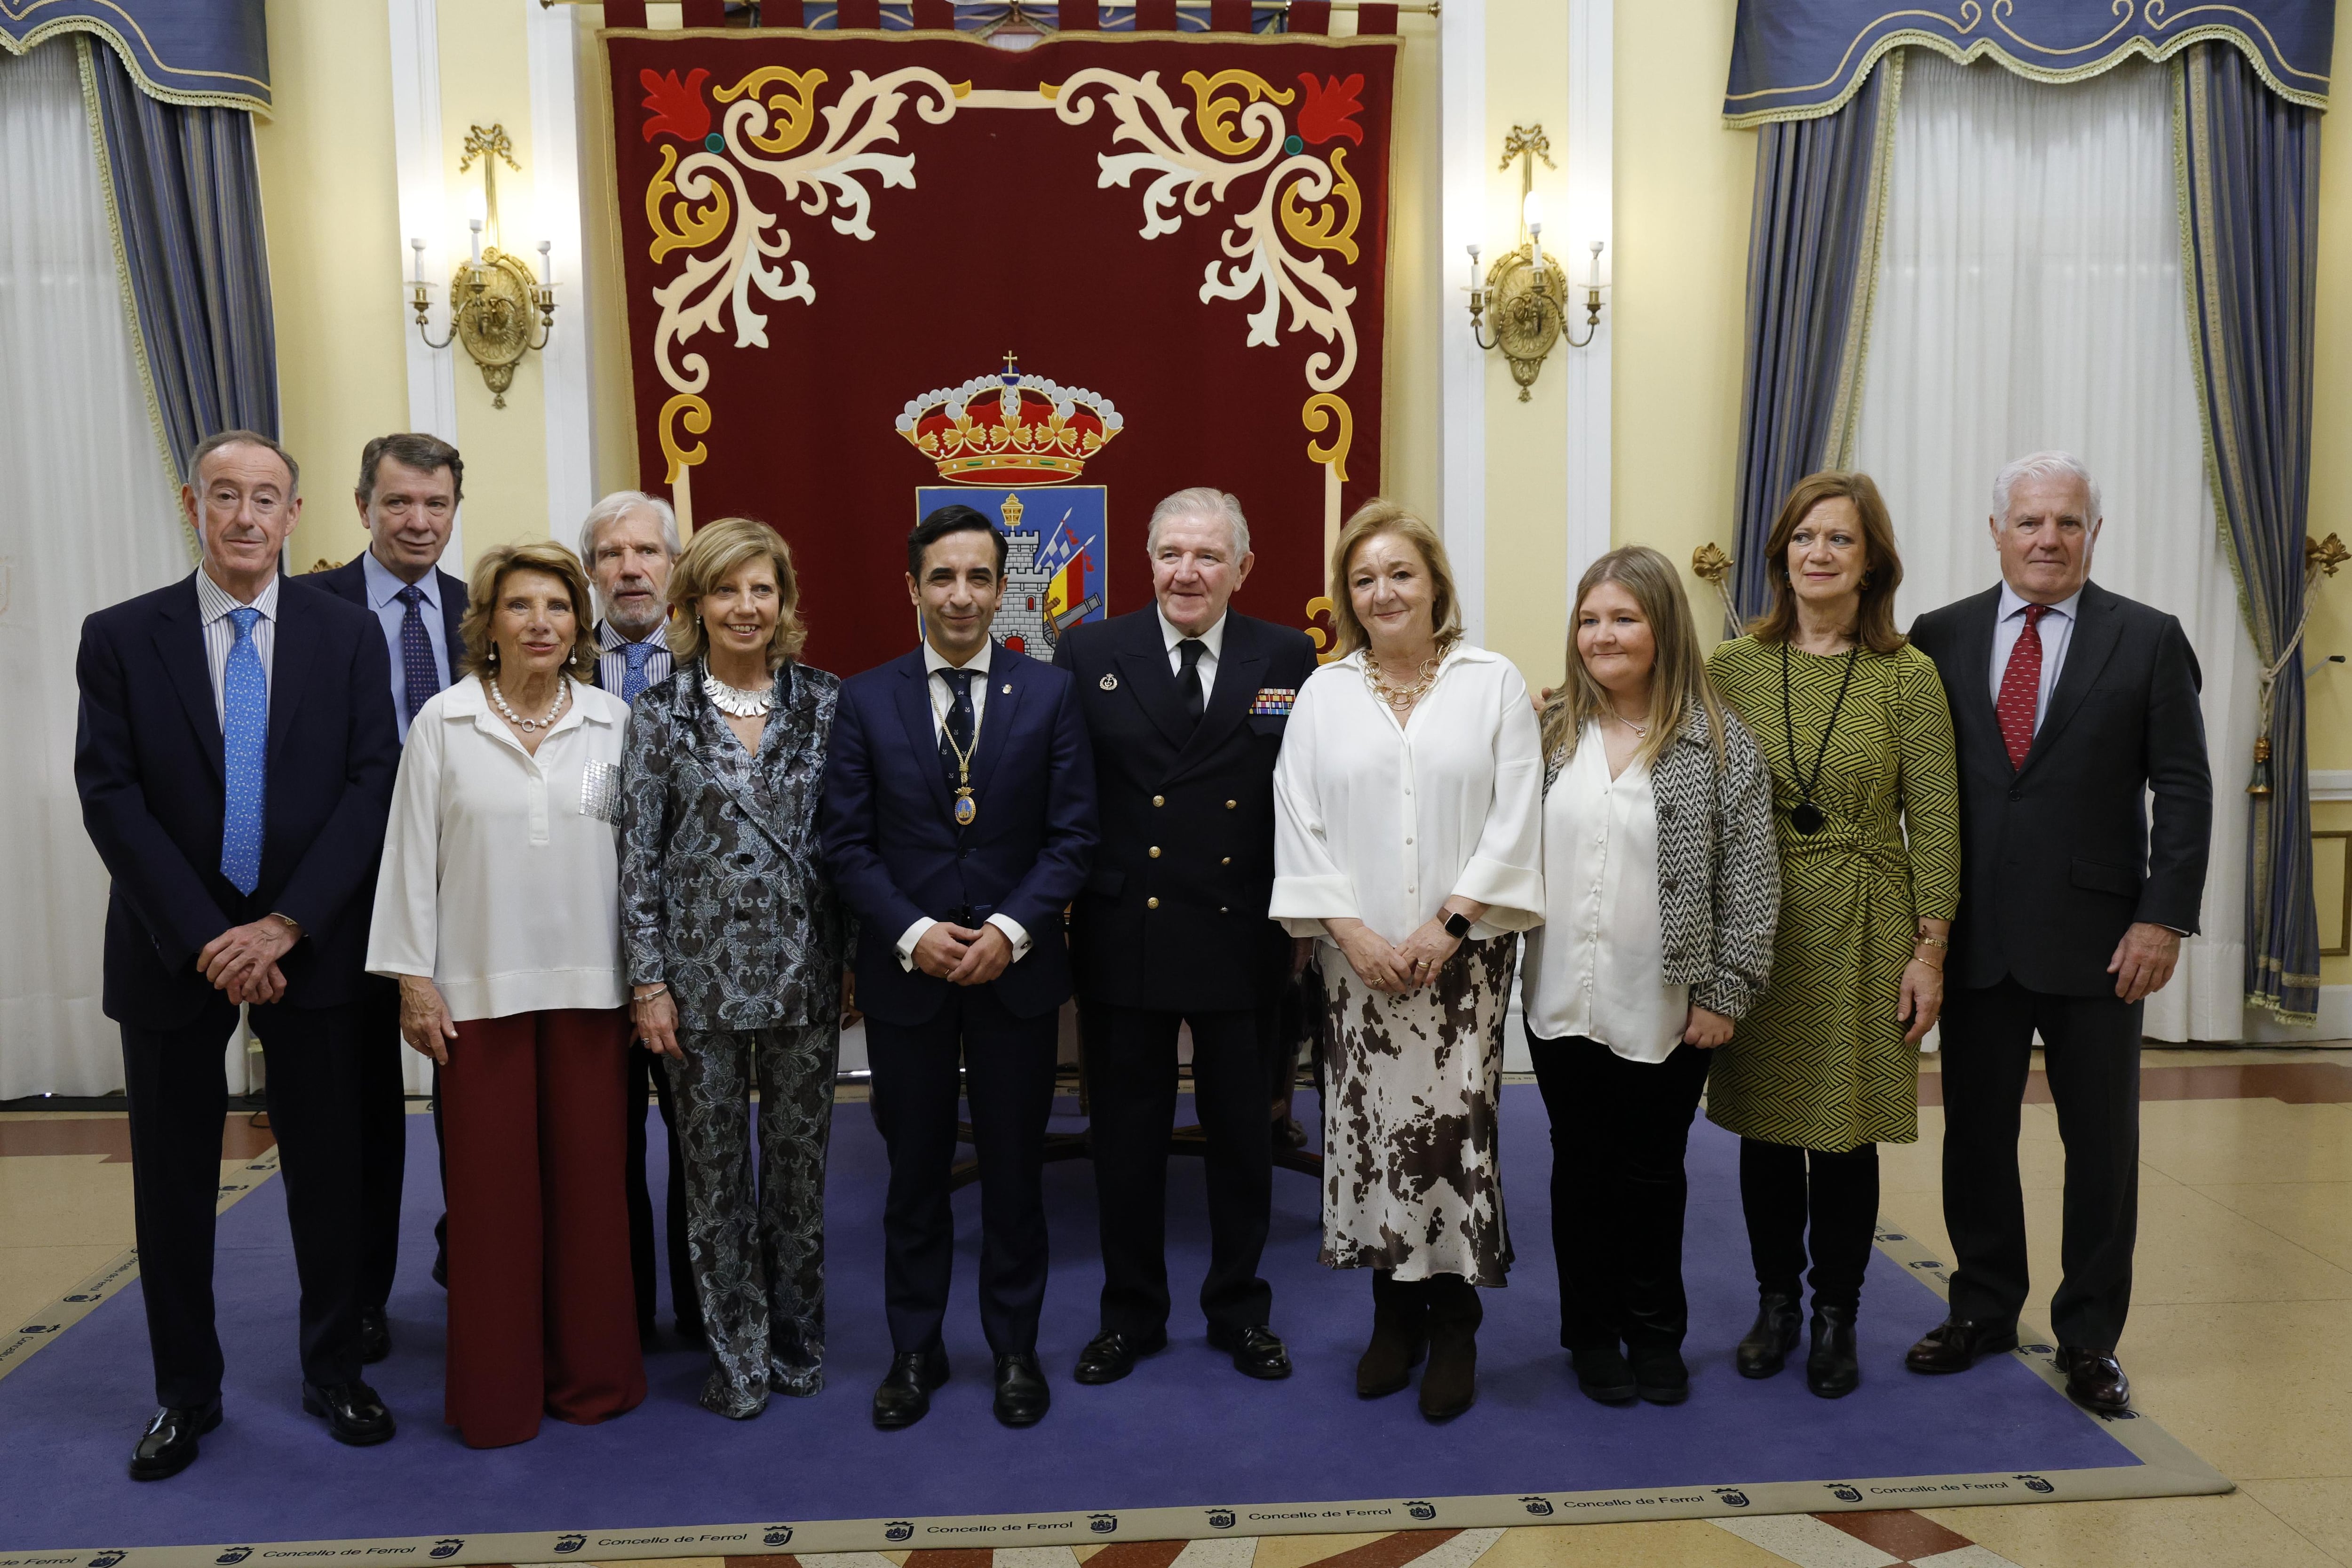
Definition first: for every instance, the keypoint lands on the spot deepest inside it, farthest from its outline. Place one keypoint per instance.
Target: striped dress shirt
(612, 665)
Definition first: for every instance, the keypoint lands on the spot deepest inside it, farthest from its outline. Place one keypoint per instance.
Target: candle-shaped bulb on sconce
(417, 274)
(547, 263)
(475, 224)
(1531, 213)
(1595, 284)
(1473, 266)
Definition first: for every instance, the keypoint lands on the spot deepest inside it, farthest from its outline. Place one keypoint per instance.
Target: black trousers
(178, 1096)
(383, 1138)
(1618, 1129)
(2093, 1060)
(1131, 1109)
(1008, 1067)
(686, 1304)
(1799, 1200)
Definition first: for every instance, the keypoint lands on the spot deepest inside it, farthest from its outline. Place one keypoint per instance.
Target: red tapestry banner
(869, 273)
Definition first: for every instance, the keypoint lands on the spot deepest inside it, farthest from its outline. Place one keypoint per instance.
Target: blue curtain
(1812, 241)
(2250, 239)
(188, 197)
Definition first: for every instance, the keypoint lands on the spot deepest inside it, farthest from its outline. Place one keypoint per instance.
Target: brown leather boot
(1451, 1384)
(1399, 1335)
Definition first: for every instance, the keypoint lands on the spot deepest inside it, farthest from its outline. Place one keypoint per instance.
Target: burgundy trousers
(542, 1313)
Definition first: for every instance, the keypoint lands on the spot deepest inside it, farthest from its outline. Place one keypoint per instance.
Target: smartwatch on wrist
(1457, 924)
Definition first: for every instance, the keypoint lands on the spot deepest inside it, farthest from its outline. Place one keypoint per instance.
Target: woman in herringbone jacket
(1661, 885)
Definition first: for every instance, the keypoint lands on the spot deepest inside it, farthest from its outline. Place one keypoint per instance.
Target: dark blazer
(2060, 855)
(723, 894)
(348, 583)
(896, 854)
(1173, 915)
(148, 763)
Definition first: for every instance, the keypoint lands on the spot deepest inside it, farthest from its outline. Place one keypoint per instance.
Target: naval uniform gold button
(1231, 803)
(1155, 852)
(1222, 910)
(1227, 861)
(1151, 903)
(1160, 800)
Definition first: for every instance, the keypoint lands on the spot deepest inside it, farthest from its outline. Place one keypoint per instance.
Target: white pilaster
(1591, 116)
(424, 215)
(1461, 389)
(555, 176)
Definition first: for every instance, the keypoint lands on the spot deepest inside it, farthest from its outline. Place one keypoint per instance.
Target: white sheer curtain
(2031, 297)
(90, 519)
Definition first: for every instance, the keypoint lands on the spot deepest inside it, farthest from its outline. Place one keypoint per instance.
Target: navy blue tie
(420, 679)
(955, 735)
(245, 739)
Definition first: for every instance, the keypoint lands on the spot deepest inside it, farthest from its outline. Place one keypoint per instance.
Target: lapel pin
(1007, 689)
(1110, 683)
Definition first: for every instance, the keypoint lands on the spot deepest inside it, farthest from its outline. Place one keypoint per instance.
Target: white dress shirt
(501, 876)
(1596, 968)
(1382, 823)
(383, 592)
(1213, 648)
(213, 604)
(942, 699)
(2056, 629)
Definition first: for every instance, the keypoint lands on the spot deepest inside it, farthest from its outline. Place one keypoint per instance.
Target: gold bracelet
(1935, 942)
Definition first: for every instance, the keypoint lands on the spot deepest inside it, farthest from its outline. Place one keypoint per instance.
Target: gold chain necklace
(1402, 699)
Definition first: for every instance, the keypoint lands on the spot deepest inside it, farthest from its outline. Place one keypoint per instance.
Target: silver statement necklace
(498, 701)
(737, 702)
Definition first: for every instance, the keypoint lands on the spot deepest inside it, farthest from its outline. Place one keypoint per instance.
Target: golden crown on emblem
(1009, 427)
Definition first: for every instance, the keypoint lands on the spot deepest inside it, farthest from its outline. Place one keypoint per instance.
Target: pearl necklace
(498, 701)
(736, 700)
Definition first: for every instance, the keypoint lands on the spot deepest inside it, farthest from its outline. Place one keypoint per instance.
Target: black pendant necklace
(1808, 818)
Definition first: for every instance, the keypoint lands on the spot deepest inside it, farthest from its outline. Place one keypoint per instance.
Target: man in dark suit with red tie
(1185, 703)
(235, 757)
(2071, 707)
(409, 488)
(958, 813)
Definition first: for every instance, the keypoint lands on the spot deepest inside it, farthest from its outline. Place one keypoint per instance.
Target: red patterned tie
(2021, 689)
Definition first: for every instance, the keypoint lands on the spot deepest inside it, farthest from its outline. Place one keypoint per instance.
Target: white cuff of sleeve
(1013, 932)
(908, 938)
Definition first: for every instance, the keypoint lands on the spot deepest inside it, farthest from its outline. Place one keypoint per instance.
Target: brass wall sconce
(1526, 292)
(493, 293)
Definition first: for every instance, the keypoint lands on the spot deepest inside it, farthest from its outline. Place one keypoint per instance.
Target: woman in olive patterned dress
(1866, 804)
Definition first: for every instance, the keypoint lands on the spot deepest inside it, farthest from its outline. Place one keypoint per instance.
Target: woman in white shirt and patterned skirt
(1407, 804)
(498, 912)
(1662, 883)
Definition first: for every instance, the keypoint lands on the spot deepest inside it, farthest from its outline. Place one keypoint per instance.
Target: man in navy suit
(407, 496)
(235, 757)
(958, 813)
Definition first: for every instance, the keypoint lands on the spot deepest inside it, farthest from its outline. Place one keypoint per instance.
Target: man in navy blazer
(235, 757)
(959, 814)
(408, 495)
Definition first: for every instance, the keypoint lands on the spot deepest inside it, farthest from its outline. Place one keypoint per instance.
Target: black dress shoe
(1957, 1343)
(1773, 1335)
(169, 1444)
(1021, 1393)
(2095, 1380)
(355, 1414)
(1258, 1351)
(1659, 1375)
(905, 1395)
(1111, 1355)
(1602, 1373)
(376, 1336)
(1833, 1368)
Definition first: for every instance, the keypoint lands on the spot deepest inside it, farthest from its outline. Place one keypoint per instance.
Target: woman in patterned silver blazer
(1661, 882)
(734, 944)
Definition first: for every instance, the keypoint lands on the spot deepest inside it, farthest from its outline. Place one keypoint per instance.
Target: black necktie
(1189, 677)
(955, 735)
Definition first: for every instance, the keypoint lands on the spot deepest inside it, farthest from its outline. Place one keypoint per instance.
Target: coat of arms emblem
(1017, 440)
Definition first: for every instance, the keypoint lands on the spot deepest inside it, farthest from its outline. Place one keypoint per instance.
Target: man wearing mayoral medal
(959, 816)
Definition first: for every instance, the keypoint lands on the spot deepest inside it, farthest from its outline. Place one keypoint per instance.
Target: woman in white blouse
(1406, 837)
(1661, 888)
(498, 912)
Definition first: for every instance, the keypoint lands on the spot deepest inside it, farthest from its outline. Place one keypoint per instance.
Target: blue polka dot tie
(633, 679)
(419, 678)
(245, 736)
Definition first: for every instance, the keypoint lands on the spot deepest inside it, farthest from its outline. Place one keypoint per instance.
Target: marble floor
(2239, 1344)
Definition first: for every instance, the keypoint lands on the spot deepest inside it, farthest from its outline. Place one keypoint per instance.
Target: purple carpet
(1184, 1430)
